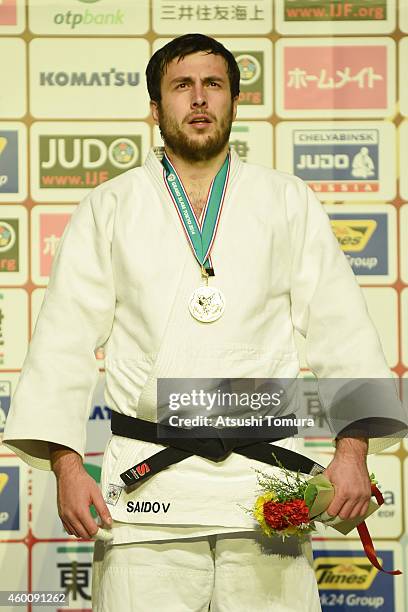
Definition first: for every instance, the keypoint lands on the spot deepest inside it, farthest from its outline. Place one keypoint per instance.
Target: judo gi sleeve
(342, 345)
(53, 396)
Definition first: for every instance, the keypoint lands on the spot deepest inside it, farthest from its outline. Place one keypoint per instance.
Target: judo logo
(123, 153)
(112, 494)
(363, 165)
(338, 160)
(7, 236)
(249, 68)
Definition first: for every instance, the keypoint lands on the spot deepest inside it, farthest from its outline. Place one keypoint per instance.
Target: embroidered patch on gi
(113, 494)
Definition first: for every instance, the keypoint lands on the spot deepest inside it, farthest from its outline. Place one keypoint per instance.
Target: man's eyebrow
(189, 79)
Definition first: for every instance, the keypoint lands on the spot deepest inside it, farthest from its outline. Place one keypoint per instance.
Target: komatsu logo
(353, 234)
(344, 573)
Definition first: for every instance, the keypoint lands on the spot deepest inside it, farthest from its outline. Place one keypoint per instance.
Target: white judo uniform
(122, 278)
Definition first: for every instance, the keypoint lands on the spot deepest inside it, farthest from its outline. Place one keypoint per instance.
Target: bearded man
(195, 265)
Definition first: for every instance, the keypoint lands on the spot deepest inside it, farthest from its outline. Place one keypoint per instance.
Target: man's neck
(193, 172)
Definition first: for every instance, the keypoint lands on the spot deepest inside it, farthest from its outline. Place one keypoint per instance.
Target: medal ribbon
(367, 541)
(200, 236)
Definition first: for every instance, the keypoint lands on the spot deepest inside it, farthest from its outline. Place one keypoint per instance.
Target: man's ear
(154, 110)
(234, 107)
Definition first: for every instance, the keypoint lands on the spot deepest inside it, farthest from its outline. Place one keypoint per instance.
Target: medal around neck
(206, 304)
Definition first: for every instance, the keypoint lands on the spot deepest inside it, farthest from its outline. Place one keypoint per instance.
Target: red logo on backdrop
(342, 77)
(8, 12)
(51, 229)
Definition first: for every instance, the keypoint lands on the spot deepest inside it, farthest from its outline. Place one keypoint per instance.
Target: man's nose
(198, 96)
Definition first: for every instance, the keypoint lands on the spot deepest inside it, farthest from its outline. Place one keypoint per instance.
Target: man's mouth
(200, 119)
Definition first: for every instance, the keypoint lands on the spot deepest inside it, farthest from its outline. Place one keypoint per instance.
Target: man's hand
(349, 475)
(76, 491)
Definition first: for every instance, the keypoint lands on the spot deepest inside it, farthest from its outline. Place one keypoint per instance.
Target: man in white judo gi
(132, 274)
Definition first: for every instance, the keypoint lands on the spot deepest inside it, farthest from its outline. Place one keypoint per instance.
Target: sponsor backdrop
(323, 96)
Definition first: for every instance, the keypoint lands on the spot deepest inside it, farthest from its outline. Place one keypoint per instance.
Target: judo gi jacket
(122, 277)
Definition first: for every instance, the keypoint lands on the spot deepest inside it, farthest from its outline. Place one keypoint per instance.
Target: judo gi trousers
(235, 572)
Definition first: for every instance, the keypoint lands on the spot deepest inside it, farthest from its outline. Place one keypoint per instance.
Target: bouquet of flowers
(291, 504)
(283, 509)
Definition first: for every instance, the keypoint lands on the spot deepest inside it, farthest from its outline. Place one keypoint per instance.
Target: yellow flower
(259, 513)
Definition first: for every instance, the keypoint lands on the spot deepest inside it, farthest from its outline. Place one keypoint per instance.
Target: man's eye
(214, 84)
(181, 85)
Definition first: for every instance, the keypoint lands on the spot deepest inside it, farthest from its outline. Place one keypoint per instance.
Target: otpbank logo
(89, 17)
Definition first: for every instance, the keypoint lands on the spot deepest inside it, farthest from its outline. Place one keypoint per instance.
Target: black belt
(215, 449)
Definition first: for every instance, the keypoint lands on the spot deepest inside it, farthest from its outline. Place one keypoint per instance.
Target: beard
(201, 148)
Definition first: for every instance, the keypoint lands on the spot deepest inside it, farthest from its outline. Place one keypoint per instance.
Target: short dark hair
(180, 47)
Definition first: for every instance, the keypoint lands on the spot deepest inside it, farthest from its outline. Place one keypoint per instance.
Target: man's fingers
(88, 523)
(340, 504)
(82, 524)
(66, 527)
(359, 509)
(347, 508)
(70, 529)
(336, 505)
(75, 496)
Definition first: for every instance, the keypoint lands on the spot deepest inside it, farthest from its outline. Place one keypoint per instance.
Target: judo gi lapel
(156, 171)
(163, 364)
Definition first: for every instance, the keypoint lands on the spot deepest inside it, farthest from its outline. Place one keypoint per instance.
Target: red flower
(280, 515)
